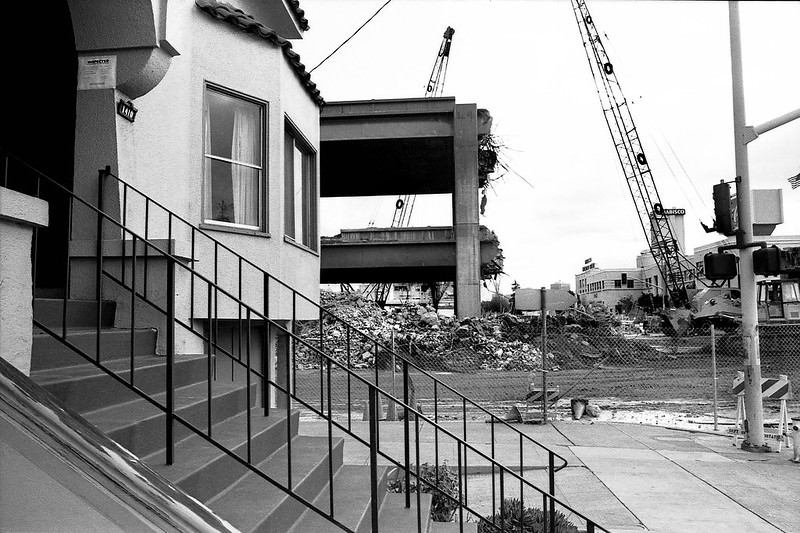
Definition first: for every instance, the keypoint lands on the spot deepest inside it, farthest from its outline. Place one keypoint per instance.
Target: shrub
(442, 482)
(526, 520)
(498, 304)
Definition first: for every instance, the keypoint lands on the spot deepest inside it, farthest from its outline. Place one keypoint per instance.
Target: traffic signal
(722, 209)
(767, 261)
(719, 266)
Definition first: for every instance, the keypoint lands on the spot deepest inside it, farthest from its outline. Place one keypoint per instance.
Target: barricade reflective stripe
(535, 395)
(771, 388)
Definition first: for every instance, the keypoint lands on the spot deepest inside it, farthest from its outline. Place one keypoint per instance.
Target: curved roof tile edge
(240, 19)
(300, 15)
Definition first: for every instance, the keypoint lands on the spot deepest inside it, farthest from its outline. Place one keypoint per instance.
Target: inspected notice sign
(97, 72)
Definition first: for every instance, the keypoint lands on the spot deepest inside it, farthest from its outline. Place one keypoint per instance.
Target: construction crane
(676, 270)
(404, 205)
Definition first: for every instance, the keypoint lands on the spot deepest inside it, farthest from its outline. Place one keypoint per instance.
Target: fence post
(714, 372)
(544, 358)
(373, 455)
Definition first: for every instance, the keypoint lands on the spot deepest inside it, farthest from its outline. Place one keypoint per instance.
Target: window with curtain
(300, 189)
(233, 162)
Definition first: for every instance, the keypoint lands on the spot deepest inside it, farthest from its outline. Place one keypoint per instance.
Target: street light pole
(754, 422)
(743, 134)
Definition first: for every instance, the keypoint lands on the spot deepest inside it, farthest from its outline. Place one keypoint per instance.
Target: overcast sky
(524, 61)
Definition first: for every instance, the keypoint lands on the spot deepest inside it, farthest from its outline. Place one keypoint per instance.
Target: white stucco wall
(19, 215)
(162, 152)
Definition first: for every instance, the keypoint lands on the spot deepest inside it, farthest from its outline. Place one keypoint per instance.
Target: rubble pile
(438, 343)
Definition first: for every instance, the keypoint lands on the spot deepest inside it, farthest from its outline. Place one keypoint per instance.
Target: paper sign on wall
(97, 72)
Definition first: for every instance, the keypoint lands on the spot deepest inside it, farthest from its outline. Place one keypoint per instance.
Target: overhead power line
(351, 36)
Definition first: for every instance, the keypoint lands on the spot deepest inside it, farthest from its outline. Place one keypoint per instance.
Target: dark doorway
(37, 120)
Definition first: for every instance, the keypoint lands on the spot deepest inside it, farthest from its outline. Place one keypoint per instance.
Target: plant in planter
(516, 519)
(441, 481)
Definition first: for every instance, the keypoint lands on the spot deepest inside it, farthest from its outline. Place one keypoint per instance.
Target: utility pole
(743, 134)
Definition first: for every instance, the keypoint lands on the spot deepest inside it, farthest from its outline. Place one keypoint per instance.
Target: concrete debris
(593, 410)
(499, 341)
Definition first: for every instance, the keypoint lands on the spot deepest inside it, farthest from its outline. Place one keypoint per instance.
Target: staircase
(202, 421)
(236, 493)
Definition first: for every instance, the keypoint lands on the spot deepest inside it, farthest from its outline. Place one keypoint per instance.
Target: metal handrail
(253, 314)
(493, 419)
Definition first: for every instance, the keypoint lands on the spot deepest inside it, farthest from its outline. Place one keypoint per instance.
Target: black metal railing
(165, 276)
(133, 201)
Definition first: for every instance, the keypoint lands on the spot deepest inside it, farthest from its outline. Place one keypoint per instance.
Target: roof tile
(300, 15)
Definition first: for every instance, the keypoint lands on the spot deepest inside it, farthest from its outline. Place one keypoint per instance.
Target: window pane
(288, 184)
(300, 189)
(299, 197)
(235, 128)
(221, 191)
(233, 131)
(234, 193)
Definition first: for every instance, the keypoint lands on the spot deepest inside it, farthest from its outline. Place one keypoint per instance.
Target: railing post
(101, 174)
(266, 359)
(321, 363)
(551, 472)
(373, 455)
(170, 386)
(406, 437)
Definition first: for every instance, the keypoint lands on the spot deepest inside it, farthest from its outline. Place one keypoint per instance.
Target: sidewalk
(626, 477)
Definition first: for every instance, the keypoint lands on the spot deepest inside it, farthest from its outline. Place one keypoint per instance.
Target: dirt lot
(673, 384)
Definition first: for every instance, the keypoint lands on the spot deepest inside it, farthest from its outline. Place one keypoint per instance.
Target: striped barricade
(779, 389)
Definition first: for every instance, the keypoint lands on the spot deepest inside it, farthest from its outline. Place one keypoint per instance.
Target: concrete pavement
(626, 477)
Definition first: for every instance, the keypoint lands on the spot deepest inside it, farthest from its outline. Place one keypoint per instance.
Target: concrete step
(49, 352)
(203, 470)
(252, 504)
(452, 527)
(351, 501)
(139, 426)
(396, 518)
(86, 388)
(80, 313)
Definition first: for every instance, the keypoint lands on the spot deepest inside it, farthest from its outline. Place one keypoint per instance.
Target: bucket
(578, 406)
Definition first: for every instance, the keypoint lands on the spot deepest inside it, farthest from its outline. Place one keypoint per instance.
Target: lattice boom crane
(674, 267)
(405, 203)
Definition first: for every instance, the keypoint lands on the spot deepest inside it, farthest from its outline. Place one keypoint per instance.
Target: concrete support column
(465, 211)
(19, 215)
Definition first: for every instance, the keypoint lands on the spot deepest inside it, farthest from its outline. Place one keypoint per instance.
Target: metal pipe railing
(246, 314)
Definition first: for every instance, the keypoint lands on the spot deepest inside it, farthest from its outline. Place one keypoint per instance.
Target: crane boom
(675, 269)
(405, 203)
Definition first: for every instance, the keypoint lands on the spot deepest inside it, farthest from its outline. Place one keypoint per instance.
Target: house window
(300, 189)
(234, 160)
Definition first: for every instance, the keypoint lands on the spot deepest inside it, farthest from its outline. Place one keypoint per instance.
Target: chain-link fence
(496, 360)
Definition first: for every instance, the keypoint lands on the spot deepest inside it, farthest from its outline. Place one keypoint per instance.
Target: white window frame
(310, 193)
(263, 106)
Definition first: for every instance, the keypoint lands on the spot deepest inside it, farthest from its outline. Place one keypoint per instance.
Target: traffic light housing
(719, 266)
(722, 209)
(767, 261)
